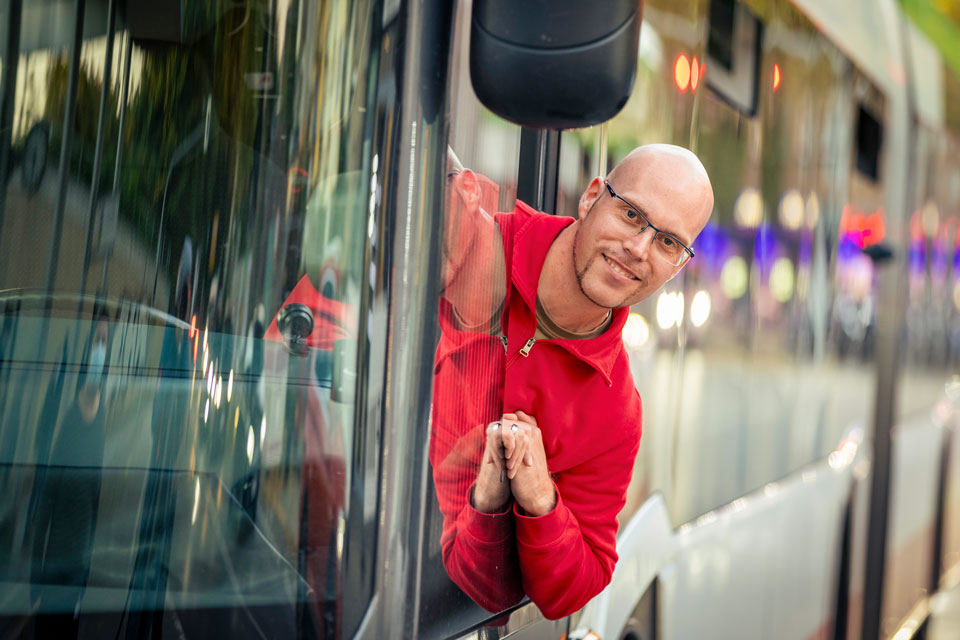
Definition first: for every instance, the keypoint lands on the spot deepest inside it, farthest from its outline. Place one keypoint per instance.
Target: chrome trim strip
(413, 157)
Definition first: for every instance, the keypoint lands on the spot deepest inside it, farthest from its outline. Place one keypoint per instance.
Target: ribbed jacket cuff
(488, 528)
(537, 531)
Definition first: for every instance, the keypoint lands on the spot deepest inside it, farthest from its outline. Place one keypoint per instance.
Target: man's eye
(630, 213)
(668, 241)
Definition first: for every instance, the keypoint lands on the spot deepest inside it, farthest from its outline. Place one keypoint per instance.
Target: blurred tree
(940, 21)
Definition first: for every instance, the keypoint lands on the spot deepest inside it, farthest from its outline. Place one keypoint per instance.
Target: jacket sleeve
(479, 552)
(567, 556)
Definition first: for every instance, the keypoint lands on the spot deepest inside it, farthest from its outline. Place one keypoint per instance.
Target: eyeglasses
(667, 245)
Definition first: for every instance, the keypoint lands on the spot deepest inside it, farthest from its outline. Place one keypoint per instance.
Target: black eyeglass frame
(647, 224)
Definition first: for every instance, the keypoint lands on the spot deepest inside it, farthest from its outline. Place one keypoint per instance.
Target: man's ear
(468, 189)
(589, 197)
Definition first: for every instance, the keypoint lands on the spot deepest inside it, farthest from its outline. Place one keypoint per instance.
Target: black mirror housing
(554, 64)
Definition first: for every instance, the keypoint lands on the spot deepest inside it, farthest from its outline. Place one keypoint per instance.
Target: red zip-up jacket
(586, 404)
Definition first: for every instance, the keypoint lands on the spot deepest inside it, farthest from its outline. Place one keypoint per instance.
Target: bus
(221, 236)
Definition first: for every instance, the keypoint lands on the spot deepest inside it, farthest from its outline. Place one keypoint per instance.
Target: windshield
(184, 208)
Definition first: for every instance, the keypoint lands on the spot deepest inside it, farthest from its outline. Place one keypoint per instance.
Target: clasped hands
(514, 463)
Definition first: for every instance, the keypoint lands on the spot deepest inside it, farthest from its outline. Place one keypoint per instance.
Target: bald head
(668, 173)
(664, 151)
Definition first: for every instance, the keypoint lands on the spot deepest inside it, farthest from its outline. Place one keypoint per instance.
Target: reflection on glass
(181, 266)
(489, 147)
(66, 492)
(932, 347)
(471, 351)
(769, 378)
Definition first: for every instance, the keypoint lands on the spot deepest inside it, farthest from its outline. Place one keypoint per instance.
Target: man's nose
(640, 244)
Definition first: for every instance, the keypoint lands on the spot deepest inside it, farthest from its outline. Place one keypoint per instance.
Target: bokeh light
(734, 277)
(681, 72)
(636, 332)
(700, 308)
(781, 279)
(748, 209)
(670, 309)
(791, 209)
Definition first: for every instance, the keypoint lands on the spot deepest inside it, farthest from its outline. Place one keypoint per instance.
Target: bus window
(182, 268)
(481, 180)
(932, 342)
(655, 112)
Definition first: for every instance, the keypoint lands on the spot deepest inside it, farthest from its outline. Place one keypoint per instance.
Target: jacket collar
(531, 242)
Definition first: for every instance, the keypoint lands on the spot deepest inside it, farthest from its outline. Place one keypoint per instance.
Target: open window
(868, 114)
(733, 53)
(868, 142)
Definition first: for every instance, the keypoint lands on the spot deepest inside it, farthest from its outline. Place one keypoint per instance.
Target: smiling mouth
(618, 268)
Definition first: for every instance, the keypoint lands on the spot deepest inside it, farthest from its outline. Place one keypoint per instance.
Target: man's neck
(559, 291)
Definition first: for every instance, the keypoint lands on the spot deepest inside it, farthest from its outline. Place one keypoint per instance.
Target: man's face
(462, 206)
(615, 265)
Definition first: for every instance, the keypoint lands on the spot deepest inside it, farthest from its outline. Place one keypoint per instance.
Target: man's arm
(478, 542)
(567, 553)
(473, 275)
(479, 537)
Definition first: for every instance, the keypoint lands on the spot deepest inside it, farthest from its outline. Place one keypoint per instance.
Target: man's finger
(494, 445)
(520, 448)
(526, 417)
(495, 460)
(510, 433)
(513, 465)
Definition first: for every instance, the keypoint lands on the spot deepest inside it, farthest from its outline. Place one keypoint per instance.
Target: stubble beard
(581, 274)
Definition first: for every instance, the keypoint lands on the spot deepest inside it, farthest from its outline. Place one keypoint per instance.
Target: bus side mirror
(554, 64)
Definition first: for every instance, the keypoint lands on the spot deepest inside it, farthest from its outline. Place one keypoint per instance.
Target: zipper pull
(503, 339)
(526, 348)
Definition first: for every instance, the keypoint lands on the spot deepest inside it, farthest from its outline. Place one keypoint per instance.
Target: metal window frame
(539, 171)
(412, 150)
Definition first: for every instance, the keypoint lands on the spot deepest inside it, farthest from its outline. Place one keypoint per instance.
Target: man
(537, 421)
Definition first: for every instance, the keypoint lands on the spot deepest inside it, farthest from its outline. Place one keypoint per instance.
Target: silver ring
(514, 428)
(496, 426)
